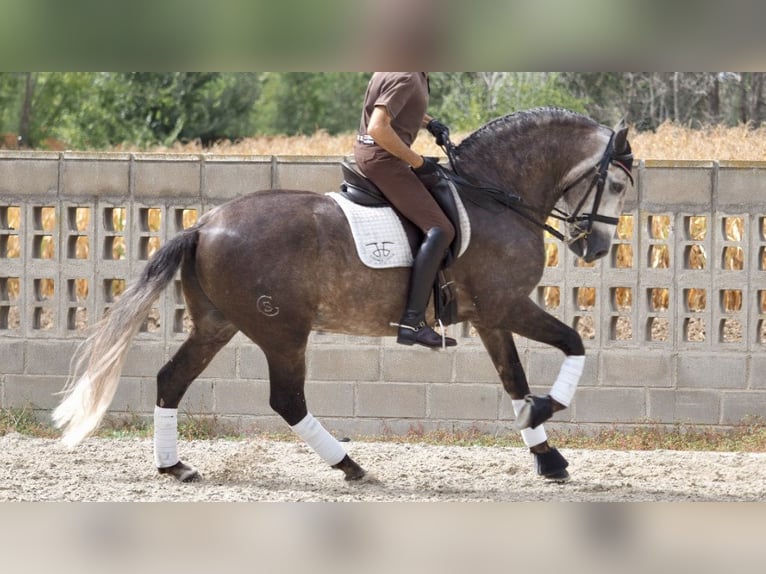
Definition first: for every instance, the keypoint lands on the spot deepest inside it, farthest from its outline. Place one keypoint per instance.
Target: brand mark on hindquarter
(265, 306)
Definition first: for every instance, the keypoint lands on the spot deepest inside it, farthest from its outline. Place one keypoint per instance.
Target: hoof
(552, 466)
(182, 472)
(366, 479)
(536, 411)
(356, 477)
(353, 471)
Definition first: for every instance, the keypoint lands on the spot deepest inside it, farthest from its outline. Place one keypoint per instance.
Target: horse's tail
(98, 362)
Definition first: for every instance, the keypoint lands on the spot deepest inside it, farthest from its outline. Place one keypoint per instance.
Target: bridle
(624, 161)
(581, 223)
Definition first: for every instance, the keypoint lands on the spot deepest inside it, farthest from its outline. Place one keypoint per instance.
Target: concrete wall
(672, 363)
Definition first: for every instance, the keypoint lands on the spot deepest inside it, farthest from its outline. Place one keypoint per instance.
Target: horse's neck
(530, 164)
(530, 173)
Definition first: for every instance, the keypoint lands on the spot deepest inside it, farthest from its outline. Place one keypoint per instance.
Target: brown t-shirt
(404, 95)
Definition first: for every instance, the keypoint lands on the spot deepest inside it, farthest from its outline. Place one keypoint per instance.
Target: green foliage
(142, 108)
(184, 106)
(305, 102)
(466, 100)
(104, 110)
(10, 93)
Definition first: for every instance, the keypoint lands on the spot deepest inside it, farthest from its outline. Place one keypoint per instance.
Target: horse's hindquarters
(284, 263)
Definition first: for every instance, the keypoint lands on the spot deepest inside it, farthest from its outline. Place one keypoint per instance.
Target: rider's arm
(379, 127)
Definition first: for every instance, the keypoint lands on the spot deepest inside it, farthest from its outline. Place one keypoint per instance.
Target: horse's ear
(621, 137)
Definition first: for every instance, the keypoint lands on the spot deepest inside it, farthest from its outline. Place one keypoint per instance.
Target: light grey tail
(98, 362)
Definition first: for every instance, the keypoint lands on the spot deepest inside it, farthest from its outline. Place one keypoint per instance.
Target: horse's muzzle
(591, 247)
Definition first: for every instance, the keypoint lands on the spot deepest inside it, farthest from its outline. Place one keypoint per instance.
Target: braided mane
(518, 123)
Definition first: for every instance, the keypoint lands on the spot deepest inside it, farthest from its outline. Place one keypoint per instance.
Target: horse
(279, 264)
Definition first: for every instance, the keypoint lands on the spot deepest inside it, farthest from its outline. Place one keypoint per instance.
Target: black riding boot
(412, 327)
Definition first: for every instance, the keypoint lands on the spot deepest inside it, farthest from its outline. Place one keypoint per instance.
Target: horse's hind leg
(502, 350)
(207, 338)
(209, 334)
(287, 374)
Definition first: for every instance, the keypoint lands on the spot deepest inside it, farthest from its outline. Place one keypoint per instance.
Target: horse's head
(595, 197)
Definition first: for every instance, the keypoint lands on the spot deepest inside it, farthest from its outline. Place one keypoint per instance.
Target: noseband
(583, 224)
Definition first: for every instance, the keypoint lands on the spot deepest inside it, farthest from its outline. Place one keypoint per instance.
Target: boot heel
(407, 339)
(406, 335)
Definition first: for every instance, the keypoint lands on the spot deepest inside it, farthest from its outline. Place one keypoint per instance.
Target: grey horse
(279, 264)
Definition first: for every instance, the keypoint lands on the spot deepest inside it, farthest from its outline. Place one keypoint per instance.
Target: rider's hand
(430, 167)
(429, 173)
(439, 131)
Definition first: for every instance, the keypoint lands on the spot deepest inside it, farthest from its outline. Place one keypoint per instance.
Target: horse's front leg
(502, 350)
(532, 322)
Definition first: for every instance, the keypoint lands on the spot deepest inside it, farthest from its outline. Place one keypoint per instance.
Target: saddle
(362, 191)
(358, 189)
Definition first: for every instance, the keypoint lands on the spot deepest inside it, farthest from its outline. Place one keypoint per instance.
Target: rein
(514, 202)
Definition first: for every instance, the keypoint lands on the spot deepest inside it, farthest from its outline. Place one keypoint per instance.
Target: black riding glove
(439, 131)
(429, 173)
(429, 167)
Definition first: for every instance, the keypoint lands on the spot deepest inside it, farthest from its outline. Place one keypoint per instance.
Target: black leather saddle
(360, 190)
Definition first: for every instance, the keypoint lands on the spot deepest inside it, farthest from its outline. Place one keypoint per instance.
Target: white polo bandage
(563, 390)
(530, 436)
(165, 437)
(323, 443)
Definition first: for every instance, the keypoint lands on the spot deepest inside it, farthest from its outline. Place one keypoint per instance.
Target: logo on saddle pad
(380, 251)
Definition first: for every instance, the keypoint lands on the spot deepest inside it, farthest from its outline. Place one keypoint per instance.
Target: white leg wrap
(317, 437)
(165, 437)
(564, 388)
(531, 437)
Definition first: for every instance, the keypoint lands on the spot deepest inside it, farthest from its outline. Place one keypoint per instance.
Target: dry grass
(749, 436)
(674, 142)
(669, 142)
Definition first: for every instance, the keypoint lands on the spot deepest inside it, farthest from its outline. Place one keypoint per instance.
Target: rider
(394, 111)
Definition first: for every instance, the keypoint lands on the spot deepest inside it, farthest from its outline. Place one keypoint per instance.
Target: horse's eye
(616, 187)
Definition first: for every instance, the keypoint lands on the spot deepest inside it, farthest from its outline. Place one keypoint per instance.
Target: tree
(101, 110)
(44, 101)
(168, 106)
(648, 99)
(304, 102)
(467, 100)
(751, 99)
(9, 102)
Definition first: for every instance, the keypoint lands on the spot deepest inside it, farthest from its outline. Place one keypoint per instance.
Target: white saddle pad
(379, 236)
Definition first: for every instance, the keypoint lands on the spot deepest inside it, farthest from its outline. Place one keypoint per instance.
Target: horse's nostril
(598, 255)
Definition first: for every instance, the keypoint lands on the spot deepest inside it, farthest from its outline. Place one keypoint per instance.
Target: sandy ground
(263, 470)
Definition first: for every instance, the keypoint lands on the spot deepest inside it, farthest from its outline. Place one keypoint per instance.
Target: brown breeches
(402, 188)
